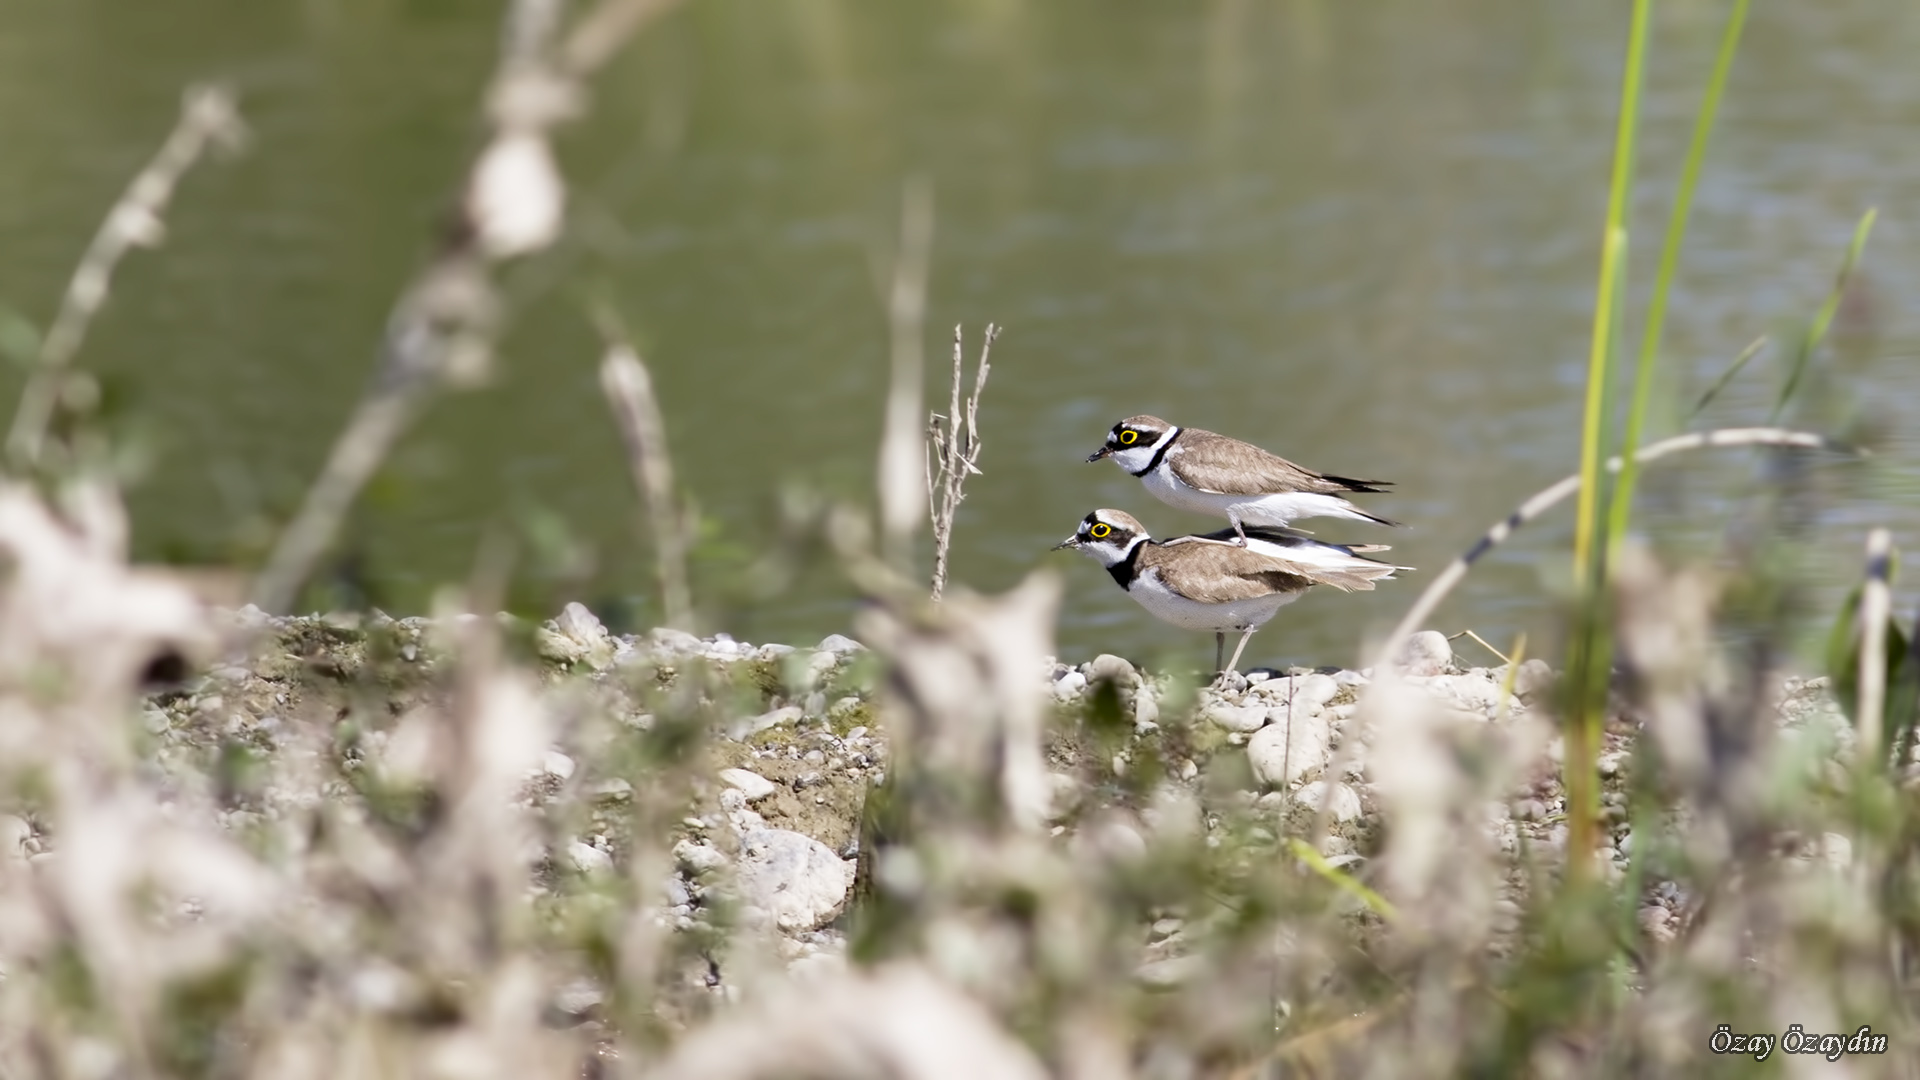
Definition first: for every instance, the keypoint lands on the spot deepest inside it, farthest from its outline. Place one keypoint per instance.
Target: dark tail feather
(1374, 487)
(1364, 487)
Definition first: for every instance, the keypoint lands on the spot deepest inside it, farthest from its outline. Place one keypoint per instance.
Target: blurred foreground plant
(440, 859)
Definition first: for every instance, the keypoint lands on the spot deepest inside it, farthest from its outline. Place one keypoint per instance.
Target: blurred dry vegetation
(450, 846)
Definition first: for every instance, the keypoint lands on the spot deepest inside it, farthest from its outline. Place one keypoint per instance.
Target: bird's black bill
(1105, 451)
(1071, 541)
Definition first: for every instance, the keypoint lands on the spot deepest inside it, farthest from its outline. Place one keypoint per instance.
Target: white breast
(1170, 606)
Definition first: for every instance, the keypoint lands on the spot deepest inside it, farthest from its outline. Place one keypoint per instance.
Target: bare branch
(443, 327)
(955, 446)
(952, 448)
(973, 399)
(601, 32)
(1545, 500)
(629, 390)
(208, 118)
(358, 451)
(936, 438)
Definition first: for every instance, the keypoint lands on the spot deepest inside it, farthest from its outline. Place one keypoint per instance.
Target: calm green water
(1362, 235)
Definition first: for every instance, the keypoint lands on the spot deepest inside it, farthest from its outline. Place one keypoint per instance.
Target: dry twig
(629, 389)
(208, 118)
(954, 440)
(1482, 642)
(1546, 499)
(443, 327)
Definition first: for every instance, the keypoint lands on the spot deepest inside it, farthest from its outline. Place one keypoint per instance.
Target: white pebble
(1283, 752)
(820, 665)
(1475, 694)
(612, 789)
(1534, 679)
(589, 859)
(1242, 718)
(796, 879)
(1068, 686)
(668, 640)
(1307, 693)
(1109, 666)
(1425, 653)
(840, 643)
(1146, 712)
(1341, 802)
(751, 784)
(578, 623)
(698, 857)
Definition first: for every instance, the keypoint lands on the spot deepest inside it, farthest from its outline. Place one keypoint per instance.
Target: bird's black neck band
(1160, 454)
(1122, 571)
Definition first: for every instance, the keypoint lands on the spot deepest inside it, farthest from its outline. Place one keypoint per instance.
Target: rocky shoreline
(772, 831)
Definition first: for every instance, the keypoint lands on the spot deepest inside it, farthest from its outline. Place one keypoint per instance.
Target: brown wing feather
(1215, 555)
(1218, 573)
(1350, 580)
(1226, 466)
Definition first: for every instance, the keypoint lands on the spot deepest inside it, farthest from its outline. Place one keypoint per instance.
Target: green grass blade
(1821, 322)
(1345, 882)
(1752, 350)
(1582, 733)
(1622, 508)
(1593, 654)
(1613, 252)
(1593, 426)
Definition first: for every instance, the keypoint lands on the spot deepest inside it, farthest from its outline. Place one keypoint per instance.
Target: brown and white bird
(1198, 470)
(1211, 582)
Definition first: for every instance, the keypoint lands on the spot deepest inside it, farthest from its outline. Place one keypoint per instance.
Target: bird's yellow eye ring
(1100, 531)
(1128, 438)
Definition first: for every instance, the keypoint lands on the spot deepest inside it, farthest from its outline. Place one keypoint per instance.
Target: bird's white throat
(1135, 459)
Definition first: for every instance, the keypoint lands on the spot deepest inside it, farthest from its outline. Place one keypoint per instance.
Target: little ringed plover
(1197, 470)
(1211, 582)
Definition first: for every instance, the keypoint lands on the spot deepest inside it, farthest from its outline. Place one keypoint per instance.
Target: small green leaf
(1817, 330)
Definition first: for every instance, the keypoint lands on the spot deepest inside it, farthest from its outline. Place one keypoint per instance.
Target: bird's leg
(1219, 647)
(1233, 518)
(1234, 664)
